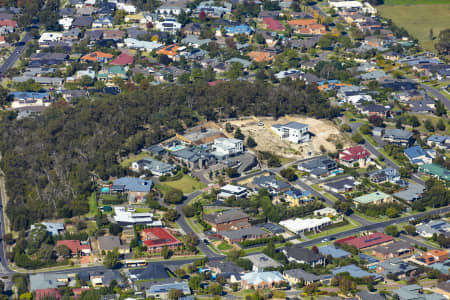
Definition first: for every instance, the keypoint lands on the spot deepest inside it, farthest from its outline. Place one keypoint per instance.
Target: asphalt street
(11, 60)
(374, 226)
(4, 267)
(387, 160)
(437, 94)
(181, 221)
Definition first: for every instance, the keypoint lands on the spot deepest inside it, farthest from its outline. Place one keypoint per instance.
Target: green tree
(165, 252)
(357, 138)
(115, 229)
(236, 70)
(112, 259)
(238, 134)
(174, 294)
(251, 143)
(215, 289)
(410, 229)
(194, 282)
(392, 230)
(63, 251)
(171, 215)
(429, 125)
(440, 125)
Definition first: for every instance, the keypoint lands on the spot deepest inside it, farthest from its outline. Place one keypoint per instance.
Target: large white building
(294, 132)
(224, 147)
(230, 190)
(304, 225)
(126, 217)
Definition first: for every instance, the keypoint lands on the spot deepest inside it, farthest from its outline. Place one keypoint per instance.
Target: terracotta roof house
(76, 247)
(47, 294)
(367, 241)
(170, 50)
(97, 56)
(8, 23)
(113, 34)
(123, 59)
(156, 238)
(353, 155)
(260, 56)
(272, 24)
(433, 256)
(301, 23)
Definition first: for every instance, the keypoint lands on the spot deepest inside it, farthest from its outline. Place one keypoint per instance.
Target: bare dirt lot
(324, 133)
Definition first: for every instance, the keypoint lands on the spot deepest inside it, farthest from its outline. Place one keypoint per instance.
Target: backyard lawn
(418, 17)
(132, 158)
(92, 205)
(186, 184)
(351, 224)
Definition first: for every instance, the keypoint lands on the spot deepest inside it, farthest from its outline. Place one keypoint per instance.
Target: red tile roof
(158, 237)
(367, 241)
(123, 59)
(354, 153)
(8, 23)
(273, 24)
(41, 294)
(78, 291)
(74, 245)
(216, 82)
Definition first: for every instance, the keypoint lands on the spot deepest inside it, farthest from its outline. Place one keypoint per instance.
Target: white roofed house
(225, 147)
(229, 190)
(168, 25)
(293, 132)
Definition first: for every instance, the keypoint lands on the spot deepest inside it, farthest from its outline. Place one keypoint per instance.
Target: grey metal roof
(301, 274)
(152, 271)
(226, 216)
(46, 280)
(135, 184)
(333, 251)
(412, 192)
(397, 133)
(302, 254)
(243, 233)
(261, 260)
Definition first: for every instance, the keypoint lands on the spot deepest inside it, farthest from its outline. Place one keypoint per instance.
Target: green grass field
(92, 205)
(132, 158)
(186, 184)
(418, 17)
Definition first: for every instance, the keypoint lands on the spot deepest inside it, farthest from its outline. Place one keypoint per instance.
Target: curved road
(11, 60)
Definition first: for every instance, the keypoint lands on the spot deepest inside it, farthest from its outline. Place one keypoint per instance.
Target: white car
(260, 124)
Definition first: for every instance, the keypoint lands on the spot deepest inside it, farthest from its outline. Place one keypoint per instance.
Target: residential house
(271, 183)
(110, 73)
(375, 198)
(71, 35)
(128, 8)
(194, 157)
(235, 30)
(192, 29)
(326, 211)
(415, 292)
(226, 147)
(27, 99)
(438, 227)
(295, 197)
(230, 190)
(97, 56)
(272, 24)
(301, 255)
(444, 288)
(128, 217)
(375, 110)
(375, 75)
(290, 74)
(115, 35)
(442, 142)
(168, 25)
(161, 291)
(294, 132)
(223, 267)
(435, 171)
(412, 192)
(50, 37)
(261, 56)
(65, 22)
(398, 136)
(227, 220)
(340, 186)
(318, 167)
(367, 241)
(153, 271)
(385, 175)
(47, 293)
(333, 252)
(132, 43)
(213, 9)
(171, 50)
(300, 226)
(234, 236)
(307, 26)
(396, 266)
(365, 295)
(392, 250)
(355, 156)
(296, 276)
(76, 247)
(433, 256)
(103, 22)
(111, 242)
(419, 156)
(355, 272)
(83, 21)
(245, 63)
(261, 280)
(53, 229)
(158, 168)
(136, 188)
(100, 279)
(42, 281)
(155, 239)
(196, 42)
(172, 8)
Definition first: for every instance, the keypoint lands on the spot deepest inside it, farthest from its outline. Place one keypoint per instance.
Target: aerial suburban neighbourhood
(200, 149)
